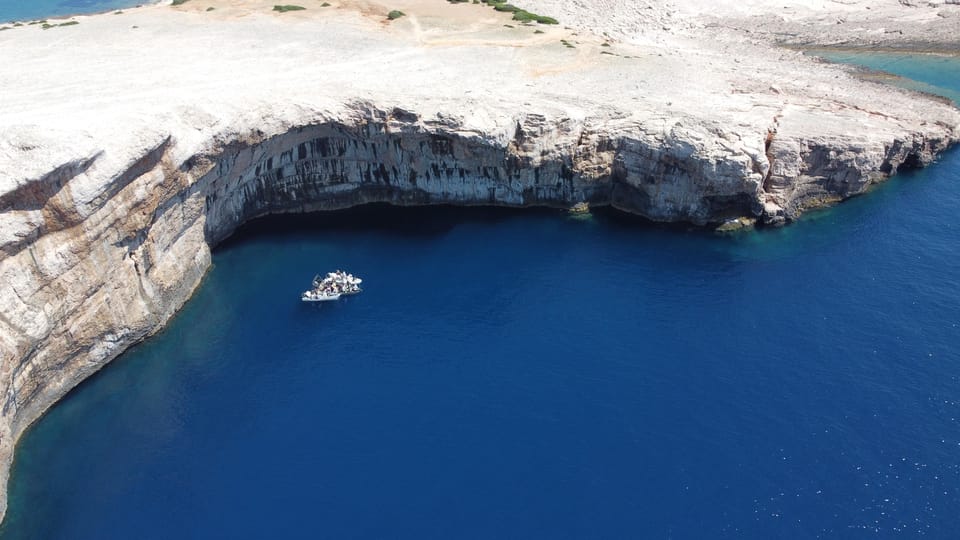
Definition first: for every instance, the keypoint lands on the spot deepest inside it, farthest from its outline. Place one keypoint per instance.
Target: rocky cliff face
(394, 156)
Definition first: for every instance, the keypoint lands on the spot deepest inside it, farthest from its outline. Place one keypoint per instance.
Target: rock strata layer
(121, 165)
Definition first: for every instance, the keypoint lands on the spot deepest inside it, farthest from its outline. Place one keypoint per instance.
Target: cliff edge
(131, 143)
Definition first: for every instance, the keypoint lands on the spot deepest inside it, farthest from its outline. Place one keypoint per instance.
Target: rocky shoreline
(114, 188)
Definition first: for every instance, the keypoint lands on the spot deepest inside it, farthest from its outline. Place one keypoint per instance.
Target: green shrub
(47, 26)
(179, 2)
(519, 14)
(524, 16)
(395, 14)
(325, 4)
(288, 7)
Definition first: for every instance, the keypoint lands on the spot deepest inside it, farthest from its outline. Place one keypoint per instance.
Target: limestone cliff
(109, 208)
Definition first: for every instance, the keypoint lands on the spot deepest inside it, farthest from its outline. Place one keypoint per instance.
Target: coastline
(875, 69)
(145, 181)
(27, 22)
(932, 49)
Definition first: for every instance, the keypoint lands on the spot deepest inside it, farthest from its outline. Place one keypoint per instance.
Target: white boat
(319, 296)
(339, 277)
(332, 287)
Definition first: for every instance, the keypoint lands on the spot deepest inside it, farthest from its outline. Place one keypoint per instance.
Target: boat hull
(329, 298)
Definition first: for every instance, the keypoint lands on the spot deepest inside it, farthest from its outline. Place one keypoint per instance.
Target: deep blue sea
(25, 10)
(521, 374)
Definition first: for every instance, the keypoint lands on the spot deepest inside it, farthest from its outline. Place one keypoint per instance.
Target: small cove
(24, 10)
(523, 374)
(931, 73)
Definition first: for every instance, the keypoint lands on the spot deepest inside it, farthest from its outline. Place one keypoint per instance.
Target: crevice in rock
(771, 159)
(911, 162)
(35, 194)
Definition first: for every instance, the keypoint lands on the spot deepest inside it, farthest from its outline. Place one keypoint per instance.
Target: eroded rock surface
(123, 162)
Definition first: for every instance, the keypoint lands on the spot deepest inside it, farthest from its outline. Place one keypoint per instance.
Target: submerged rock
(736, 224)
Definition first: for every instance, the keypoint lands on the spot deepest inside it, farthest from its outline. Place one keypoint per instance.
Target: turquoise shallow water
(25, 10)
(525, 375)
(934, 73)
